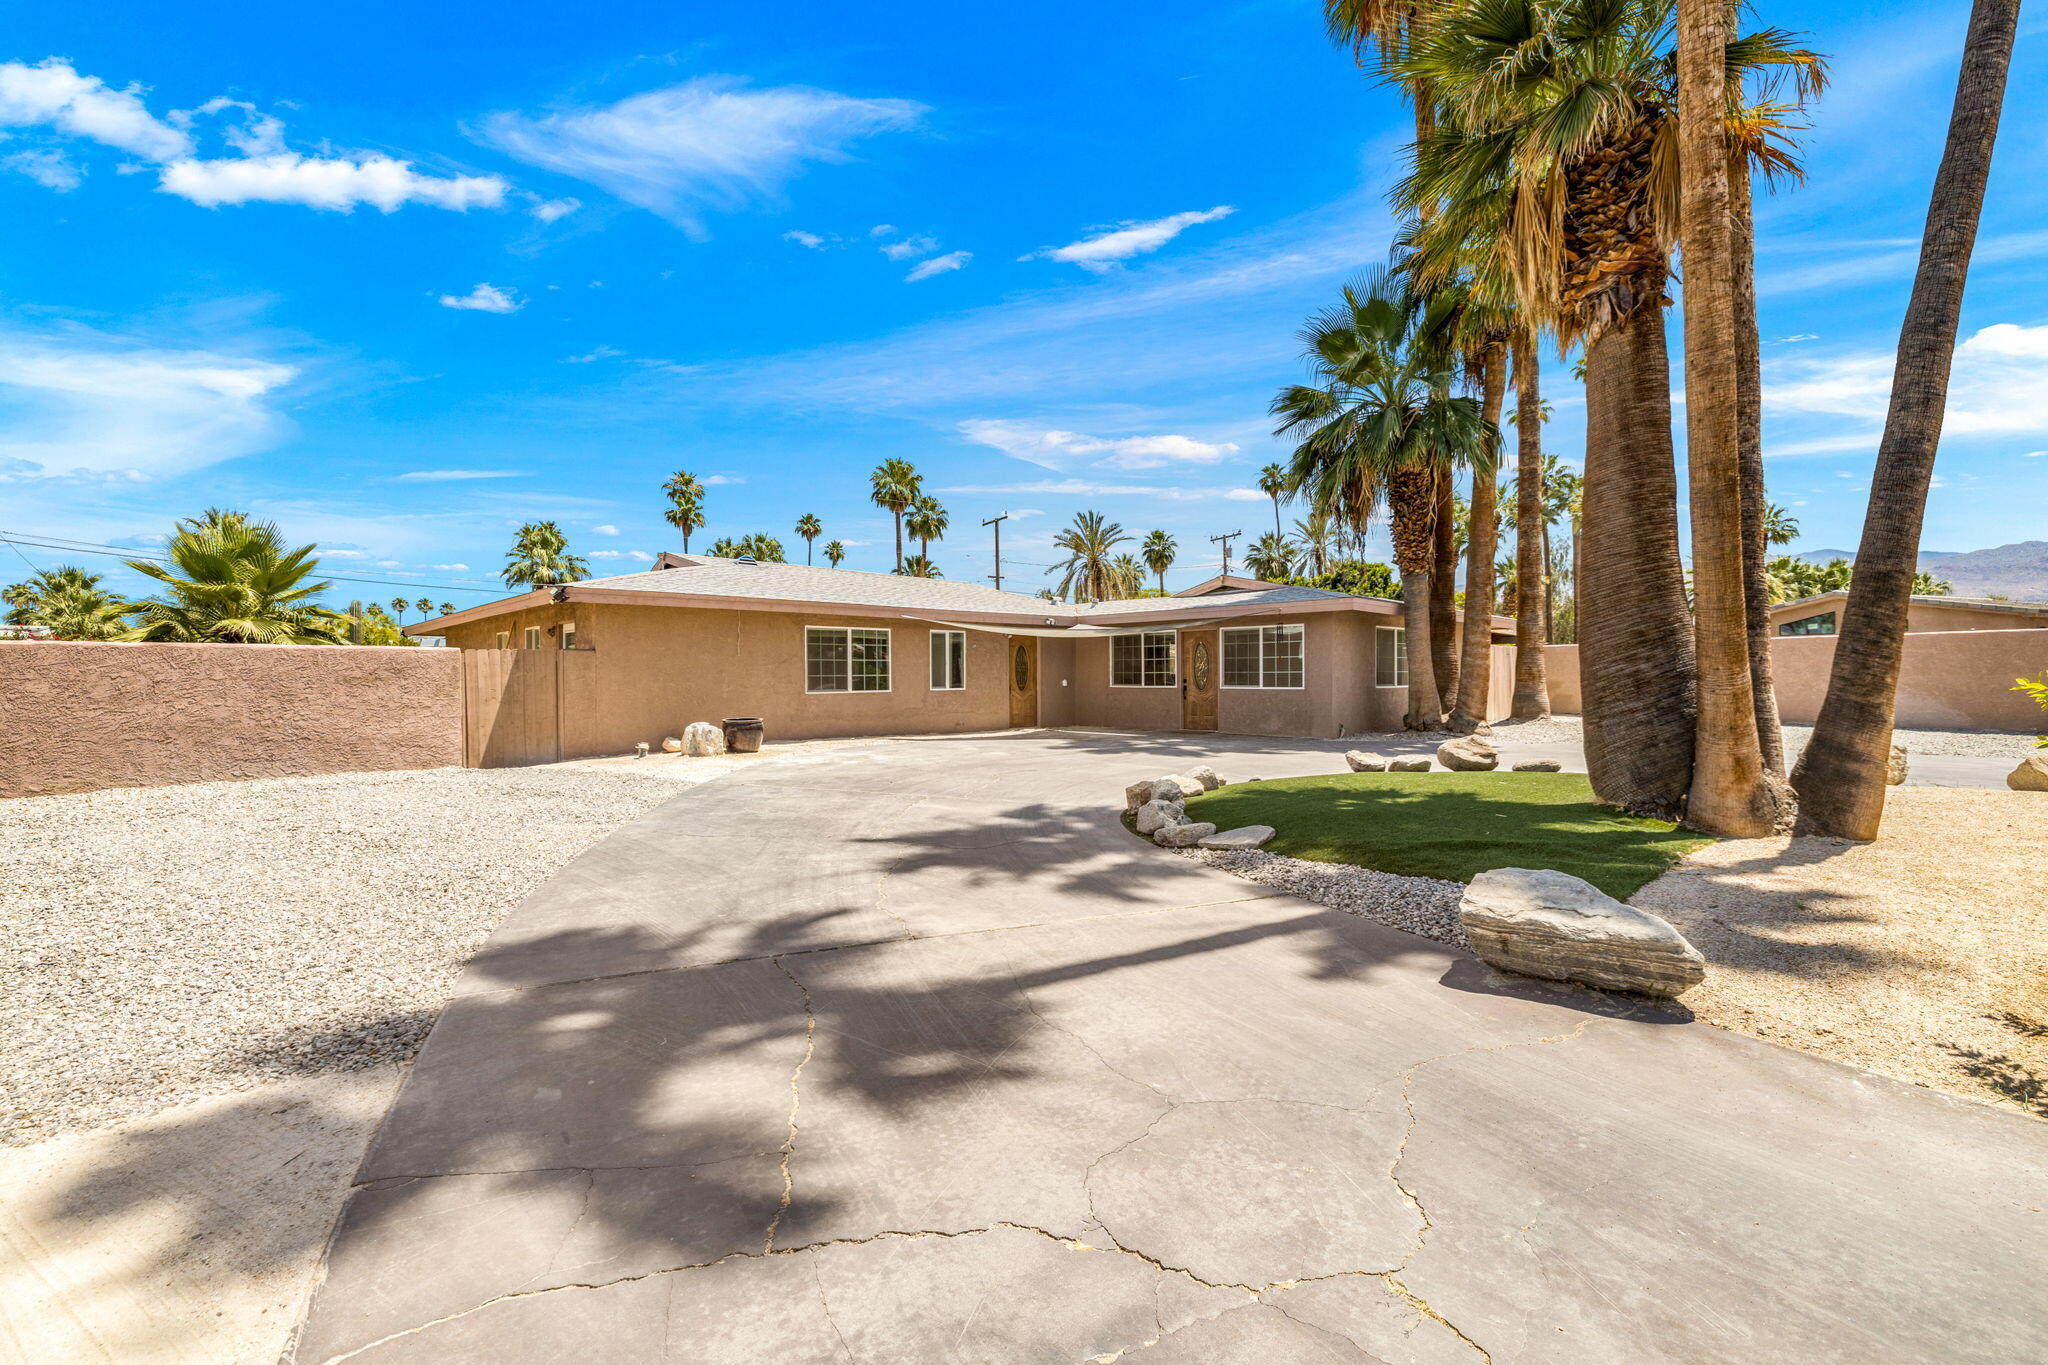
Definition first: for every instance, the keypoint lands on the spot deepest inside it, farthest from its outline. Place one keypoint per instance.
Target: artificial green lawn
(1454, 825)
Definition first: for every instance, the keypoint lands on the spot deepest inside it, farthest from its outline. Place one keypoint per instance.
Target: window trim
(504, 640)
(568, 635)
(1831, 616)
(532, 638)
(1258, 633)
(1400, 660)
(849, 690)
(1172, 659)
(960, 686)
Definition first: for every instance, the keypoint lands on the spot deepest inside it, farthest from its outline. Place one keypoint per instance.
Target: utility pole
(997, 522)
(1226, 549)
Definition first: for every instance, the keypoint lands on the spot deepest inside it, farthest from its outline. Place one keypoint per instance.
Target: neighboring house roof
(706, 580)
(1929, 600)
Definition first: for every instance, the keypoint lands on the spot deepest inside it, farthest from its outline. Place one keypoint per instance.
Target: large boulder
(1362, 762)
(1207, 776)
(1410, 765)
(1469, 754)
(1178, 788)
(702, 739)
(1136, 795)
(1182, 836)
(2031, 775)
(1549, 924)
(1895, 767)
(1539, 765)
(1248, 836)
(1156, 814)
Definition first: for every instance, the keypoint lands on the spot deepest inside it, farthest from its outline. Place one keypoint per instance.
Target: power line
(89, 547)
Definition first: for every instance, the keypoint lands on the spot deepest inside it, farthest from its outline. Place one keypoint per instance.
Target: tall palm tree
(1532, 690)
(1315, 532)
(540, 556)
(926, 521)
(1090, 544)
(1127, 575)
(425, 607)
(1555, 152)
(25, 599)
(893, 487)
(685, 504)
(810, 529)
(82, 613)
(1272, 557)
(1158, 552)
(918, 566)
(1273, 483)
(398, 606)
(230, 580)
(834, 552)
(1780, 527)
(1841, 775)
(1381, 416)
(447, 608)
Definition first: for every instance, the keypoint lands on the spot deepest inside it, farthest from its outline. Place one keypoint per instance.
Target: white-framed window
(845, 659)
(949, 660)
(533, 636)
(1390, 661)
(504, 639)
(568, 635)
(1141, 660)
(1263, 656)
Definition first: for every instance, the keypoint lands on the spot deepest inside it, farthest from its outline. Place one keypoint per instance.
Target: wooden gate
(511, 707)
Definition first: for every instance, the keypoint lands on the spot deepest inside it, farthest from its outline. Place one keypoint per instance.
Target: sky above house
(404, 277)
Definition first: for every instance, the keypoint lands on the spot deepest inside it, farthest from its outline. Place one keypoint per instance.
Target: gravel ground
(1923, 956)
(161, 944)
(1420, 905)
(1948, 743)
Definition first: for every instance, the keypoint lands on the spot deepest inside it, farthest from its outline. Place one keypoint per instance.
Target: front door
(1198, 669)
(1023, 672)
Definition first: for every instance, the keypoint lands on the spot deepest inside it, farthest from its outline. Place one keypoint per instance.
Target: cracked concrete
(914, 1054)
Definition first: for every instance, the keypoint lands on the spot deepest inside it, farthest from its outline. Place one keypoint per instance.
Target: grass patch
(1454, 825)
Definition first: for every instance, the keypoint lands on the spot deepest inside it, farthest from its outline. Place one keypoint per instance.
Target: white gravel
(160, 944)
(1947, 743)
(1419, 905)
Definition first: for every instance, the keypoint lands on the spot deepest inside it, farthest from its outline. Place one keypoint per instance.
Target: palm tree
(1381, 416)
(1272, 557)
(917, 566)
(1841, 775)
(1273, 483)
(447, 608)
(1315, 532)
(893, 487)
(686, 504)
(425, 607)
(230, 580)
(25, 599)
(927, 522)
(1158, 552)
(810, 529)
(82, 613)
(1532, 691)
(1086, 574)
(1779, 527)
(1554, 154)
(1127, 576)
(834, 552)
(540, 557)
(757, 546)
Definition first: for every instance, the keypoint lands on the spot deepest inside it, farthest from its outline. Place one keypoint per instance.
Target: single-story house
(1821, 614)
(820, 652)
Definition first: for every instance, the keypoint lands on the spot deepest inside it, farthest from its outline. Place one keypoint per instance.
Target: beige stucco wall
(1948, 680)
(81, 717)
(1921, 616)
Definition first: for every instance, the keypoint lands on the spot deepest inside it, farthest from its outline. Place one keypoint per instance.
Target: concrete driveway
(907, 1052)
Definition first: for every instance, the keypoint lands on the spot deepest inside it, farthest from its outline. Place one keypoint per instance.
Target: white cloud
(450, 568)
(1998, 387)
(717, 479)
(337, 183)
(2032, 454)
(455, 475)
(1082, 488)
(607, 554)
(809, 239)
(1107, 250)
(485, 298)
(82, 403)
(53, 94)
(51, 170)
(910, 247)
(938, 265)
(604, 530)
(593, 355)
(1053, 448)
(640, 555)
(548, 210)
(708, 145)
(882, 230)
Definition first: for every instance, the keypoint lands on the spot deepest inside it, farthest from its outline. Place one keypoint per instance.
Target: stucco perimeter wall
(640, 674)
(1948, 680)
(82, 717)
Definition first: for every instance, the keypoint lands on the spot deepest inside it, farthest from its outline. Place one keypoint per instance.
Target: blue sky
(402, 278)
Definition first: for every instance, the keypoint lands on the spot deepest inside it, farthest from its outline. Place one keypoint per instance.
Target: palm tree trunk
(1475, 669)
(899, 541)
(1549, 592)
(1443, 590)
(1732, 792)
(1756, 587)
(1841, 775)
(1411, 501)
(1532, 695)
(1635, 636)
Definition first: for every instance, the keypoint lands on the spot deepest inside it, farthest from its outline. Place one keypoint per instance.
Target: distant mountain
(2019, 571)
